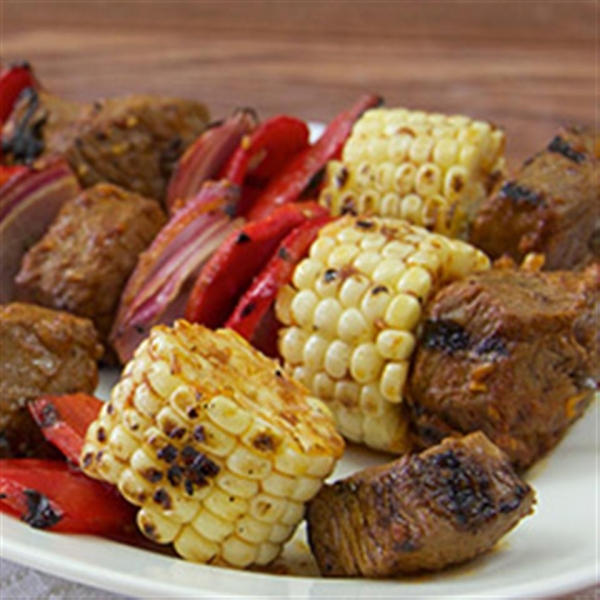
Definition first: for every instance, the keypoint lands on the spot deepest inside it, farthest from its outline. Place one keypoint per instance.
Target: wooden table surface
(527, 65)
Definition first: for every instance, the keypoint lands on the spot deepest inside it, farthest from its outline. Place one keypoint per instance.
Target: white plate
(553, 552)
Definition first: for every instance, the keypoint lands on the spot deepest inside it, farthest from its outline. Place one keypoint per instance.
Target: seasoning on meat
(41, 352)
(419, 513)
(551, 207)
(512, 353)
(83, 262)
(133, 142)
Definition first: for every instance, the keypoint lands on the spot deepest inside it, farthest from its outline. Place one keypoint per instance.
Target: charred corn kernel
(431, 169)
(353, 348)
(218, 448)
(164, 530)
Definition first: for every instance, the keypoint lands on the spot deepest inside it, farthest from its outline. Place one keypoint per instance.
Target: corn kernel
(337, 359)
(404, 178)
(391, 205)
(292, 343)
(280, 533)
(388, 272)
(326, 316)
(321, 249)
(191, 545)
(323, 385)
(251, 530)
(303, 306)
(238, 552)
(367, 262)
(247, 464)
(279, 485)
(306, 488)
(352, 290)
(347, 393)
(395, 345)
(306, 273)
(353, 327)
(415, 280)
(267, 509)
(293, 512)
(227, 415)
(366, 363)
(314, 351)
(160, 529)
(211, 526)
(403, 312)
(267, 553)
(236, 485)
(392, 380)
(341, 255)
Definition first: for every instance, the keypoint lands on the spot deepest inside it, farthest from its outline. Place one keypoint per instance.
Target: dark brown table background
(527, 65)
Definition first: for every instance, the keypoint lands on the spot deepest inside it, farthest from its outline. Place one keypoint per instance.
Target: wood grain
(526, 65)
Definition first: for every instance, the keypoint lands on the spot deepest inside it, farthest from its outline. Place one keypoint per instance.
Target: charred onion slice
(158, 288)
(29, 201)
(207, 155)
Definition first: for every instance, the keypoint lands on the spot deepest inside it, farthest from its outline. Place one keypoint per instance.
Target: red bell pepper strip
(12, 82)
(232, 267)
(51, 495)
(203, 160)
(7, 173)
(255, 303)
(64, 420)
(264, 152)
(301, 173)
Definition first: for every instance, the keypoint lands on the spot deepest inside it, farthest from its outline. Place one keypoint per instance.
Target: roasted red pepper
(303, 171)
(65, 419)
(51, 495)
(12, 82)
(255, 303)
(264, 152)
(232, 267)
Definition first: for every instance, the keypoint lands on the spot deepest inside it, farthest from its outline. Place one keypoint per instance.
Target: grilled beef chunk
(512, 353)
(42, 351)
(550, 208)
(132, 142)
(83, 262)
(419, 513)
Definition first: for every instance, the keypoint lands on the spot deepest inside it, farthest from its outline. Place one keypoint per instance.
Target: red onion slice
(28, 204)
(204, 159)
(158, 288)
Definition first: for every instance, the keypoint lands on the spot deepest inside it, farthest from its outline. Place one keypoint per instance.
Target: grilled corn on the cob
(218, 447)
(351, 313)
(431, 169)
